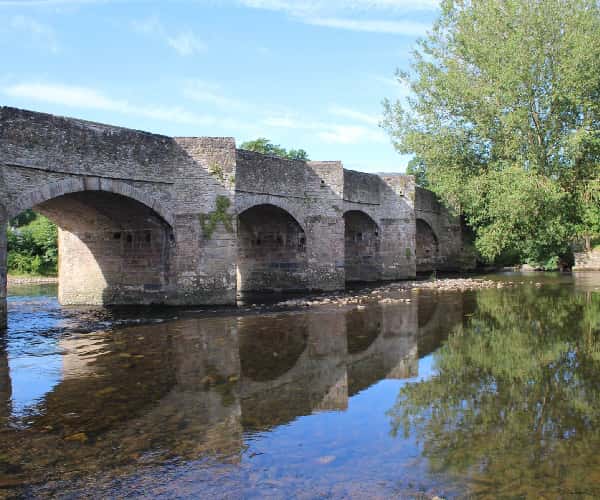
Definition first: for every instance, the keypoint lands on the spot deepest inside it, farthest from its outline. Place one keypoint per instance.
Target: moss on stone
(209, 221)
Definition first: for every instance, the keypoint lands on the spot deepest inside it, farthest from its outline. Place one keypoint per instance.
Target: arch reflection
(191, 388)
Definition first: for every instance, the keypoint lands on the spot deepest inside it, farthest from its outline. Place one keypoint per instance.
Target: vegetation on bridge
(504, 122)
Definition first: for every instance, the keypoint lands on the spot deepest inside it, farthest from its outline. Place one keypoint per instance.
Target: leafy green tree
(417, 168)
(265, 146)
(32, 248)
(588, 204)
(501, 86)
(23, 218)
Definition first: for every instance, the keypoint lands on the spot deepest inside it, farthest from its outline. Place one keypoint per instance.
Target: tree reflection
(515, 404)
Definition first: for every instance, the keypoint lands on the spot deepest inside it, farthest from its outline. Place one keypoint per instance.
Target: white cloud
(308, 7)
(185, 43)
(284, 122)
(351, 134)
(40, 34)
(32, 3)
(349, 14)
(355, 115)
(409, 28)
(291, 6)
(386, 80)
(204, 92)
(331, 133)
(87, 98)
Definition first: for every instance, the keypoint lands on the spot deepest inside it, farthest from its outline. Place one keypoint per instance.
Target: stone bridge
(149, 219)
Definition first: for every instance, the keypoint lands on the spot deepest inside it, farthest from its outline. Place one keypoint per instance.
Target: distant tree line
(266, 147)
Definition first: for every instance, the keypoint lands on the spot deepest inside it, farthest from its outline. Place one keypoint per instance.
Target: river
(494, 392)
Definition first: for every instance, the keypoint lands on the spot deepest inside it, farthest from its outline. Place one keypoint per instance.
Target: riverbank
(385, 293)
(31, 280)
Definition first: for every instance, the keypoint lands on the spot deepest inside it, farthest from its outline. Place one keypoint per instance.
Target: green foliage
(500, 87)
(514, 394)
(551, 264)
(417, 168)
(588, 206)
(32, 248)
(208, 222)
(518, 210)
(24, 218)
(265, 146)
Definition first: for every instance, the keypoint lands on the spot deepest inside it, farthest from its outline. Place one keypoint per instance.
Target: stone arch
(245, 203)
(427, 247)
(42, 194)
(362, 237)
(272, 252)
(114, 241)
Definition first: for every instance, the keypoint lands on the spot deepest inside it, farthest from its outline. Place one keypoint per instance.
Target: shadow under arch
(30, 199)
(426, 311)
(428, 248)
(438, 316)
(114, 241)
(271, 250)
(271, 347)
(362, 329)
(362, 247)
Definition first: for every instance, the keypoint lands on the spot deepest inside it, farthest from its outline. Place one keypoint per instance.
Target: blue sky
(306, 73)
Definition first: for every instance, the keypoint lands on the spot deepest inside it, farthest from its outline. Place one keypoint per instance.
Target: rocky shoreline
(393, 293)
(389, 293)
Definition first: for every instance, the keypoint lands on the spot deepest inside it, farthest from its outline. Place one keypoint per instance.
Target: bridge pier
(112, 249)
(5, 385)
(3, 256)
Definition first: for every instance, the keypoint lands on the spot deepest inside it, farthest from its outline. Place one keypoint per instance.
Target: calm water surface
(488, 393)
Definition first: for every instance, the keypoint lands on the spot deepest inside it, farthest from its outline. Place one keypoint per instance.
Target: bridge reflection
(192, 388)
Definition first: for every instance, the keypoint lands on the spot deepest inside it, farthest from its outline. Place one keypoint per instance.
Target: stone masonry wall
(43, 157)
(454, 252)
(310, 192)
(205, 266)
(388, 202)
(271, 251)
(587, 261)
(362, 248)
(112, 249)
(3, 306)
